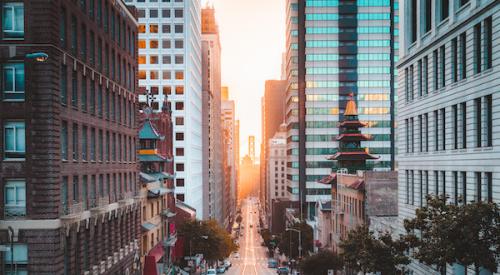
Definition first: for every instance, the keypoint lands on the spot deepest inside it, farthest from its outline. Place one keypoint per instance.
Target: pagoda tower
(351, 155)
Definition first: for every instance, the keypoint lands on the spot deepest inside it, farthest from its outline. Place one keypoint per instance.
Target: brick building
(68, 134)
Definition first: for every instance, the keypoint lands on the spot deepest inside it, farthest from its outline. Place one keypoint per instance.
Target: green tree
(290, 239)
(443, 233)
(207, 238)
(362, 251)
(321, 262)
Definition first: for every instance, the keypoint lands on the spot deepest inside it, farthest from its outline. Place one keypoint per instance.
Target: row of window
(332, 151)
(336, 16)
(167, 59)
(336, 70)
(359, 30)
(92, 144)
(482, 60)
(418, 186)
(334, 124)
(482, 124)
(89, 96)
(359, 83)
(155, 13)
(359, 56)
(335, 3)
(89, 46)
(165, 29)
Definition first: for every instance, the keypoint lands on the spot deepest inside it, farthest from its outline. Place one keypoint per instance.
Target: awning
(150, 265)
(161, 175)
(156, 192)
(157, 252)
(147, 226)
(146, 177)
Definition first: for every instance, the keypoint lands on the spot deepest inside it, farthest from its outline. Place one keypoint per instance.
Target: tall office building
(230, 162)
(449, 106)
(273, 115)
(68, 135)
(213, 176)
(251, 148)
(336, 48)
(236, 160)
(170, 66)
(276, 170)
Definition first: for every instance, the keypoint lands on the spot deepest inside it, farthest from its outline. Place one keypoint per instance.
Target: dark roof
(352, 156)
(153, 158)
(328, 179)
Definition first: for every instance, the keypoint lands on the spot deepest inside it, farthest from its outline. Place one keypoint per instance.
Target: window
(179, 197)
(488, 43)
(179, 136)
(64, 140)
(179, 121)
(477, 48)
(165, 13)
(62, 29)
(425, 79)
(179, 106)
(76, 187)
(179, 75)
(74, 38)
(455, 187)
(420, 80)
(478, 125)
(153, 28)
(443, 129)
(464, 186)
(179, 44)
(407, 84)
(428, 15)
(179, 152)
(20, 258)
(15, 198)
(421, 187)
(92, 145)
(454, 109)
(413, 30)
(13, 82)
(153, 13)
(74, 89)
(179, 167)
(166, 28)
(167, 59)
(478, 186)
(13, 20)
(412, 135)
(489, 186)
(463, 56)
(436, 183)
(83, 43)
(179, 29)
(489, 120)
(412, 83)
(179, 13)
(84, 143)
(412, 187)
(443, 65)
(14, 140)
(436, 131)
(463, 106)
(420, 133)
(444, 9)
(454, 60)
(436, 69)
(179, 59)
(407, 187)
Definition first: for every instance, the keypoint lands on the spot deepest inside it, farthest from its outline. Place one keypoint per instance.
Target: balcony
(99, 204)
(170, 242)
(14, 212)
(167, 213)
(72, 212)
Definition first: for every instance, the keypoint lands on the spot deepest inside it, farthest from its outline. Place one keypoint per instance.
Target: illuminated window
(153, 75)
(153, 59)
(142, 44)
(179, 75)
(167, 90)
(179, 90)
(142, 59)
(154, 90)
(141, 28)
(153, 28)
(142, 74)
(153, 44)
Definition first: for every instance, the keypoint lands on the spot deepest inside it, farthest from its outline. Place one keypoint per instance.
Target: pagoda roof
(358, 184)
(352, 123)
(361, 155)
(350, 108)
(153, 158)
(328, 179)
(353, 137)
(148, 131)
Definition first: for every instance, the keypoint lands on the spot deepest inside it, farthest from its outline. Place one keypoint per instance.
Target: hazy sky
(253, 39)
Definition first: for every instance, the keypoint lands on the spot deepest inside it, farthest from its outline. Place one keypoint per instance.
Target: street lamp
(37, 56)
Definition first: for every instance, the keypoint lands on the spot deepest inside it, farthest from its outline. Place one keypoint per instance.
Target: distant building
(157, 193)
(448, 107)
(322, 228)
(276, 170)
(170, 66)
(229, 158)
(251, 148)
(249, 177)
(273, 115)
(68, 135)
(213, 174)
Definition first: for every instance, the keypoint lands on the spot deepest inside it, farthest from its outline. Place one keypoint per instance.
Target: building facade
(170, 66)
(448, 108)
(276, 170)
(336, 48)
(273, 115)
(157, 190)
(68, 134)
(229, 144)
(213, 176)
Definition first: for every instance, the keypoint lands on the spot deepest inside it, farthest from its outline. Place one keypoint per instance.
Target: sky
(252, 36)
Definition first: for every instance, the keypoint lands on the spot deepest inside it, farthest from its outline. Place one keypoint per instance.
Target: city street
(253, 258)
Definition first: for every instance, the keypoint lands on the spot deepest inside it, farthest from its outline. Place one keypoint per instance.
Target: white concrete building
(276, 167)
(170, 65)
(449, 105)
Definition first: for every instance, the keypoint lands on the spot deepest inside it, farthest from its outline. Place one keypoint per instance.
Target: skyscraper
(251, 148)
(336, 48)
(68, 135)
(170, 66)
(230, 162)
(213, 176)
(448, 107)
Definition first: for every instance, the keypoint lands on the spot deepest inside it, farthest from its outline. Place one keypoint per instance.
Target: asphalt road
(253, 258)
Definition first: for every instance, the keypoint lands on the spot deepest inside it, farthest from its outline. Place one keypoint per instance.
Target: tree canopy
(290, 239)
(320, 263)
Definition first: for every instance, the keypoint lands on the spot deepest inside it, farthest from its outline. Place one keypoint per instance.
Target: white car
(211, 272)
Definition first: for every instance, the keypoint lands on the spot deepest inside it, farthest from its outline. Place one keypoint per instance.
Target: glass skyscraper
(335, 49)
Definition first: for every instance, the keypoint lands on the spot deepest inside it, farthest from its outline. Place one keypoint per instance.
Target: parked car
(221, 269)
(227, 263)
(211, 272)
(272, 263)
(283, 270)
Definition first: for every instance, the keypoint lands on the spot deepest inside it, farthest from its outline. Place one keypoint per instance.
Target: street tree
(289, 240)
(467, 234)
(362, 251)
(321, 262)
